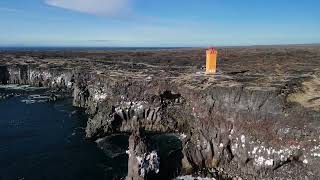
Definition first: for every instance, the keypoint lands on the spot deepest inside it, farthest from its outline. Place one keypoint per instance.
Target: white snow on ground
(69, 84)
(189, 177)
(182, 136)
(149, 162)
(99, 96)
(267, 156)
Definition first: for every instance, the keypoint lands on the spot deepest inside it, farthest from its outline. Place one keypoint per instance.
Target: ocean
(41, 49)
(45, 141)
(41, 140)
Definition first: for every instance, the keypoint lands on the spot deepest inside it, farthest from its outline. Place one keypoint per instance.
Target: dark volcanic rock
(4, 74)
(143, 162)
(257, 119)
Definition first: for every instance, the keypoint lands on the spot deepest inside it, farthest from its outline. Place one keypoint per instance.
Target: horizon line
(204, 46)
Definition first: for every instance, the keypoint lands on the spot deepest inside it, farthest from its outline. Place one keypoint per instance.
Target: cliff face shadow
(169, 148)
(4, 75)
(115, 162)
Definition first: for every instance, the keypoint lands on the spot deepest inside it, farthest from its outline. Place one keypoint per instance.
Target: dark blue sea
(41, 140)
(45, 141)
(84, 48)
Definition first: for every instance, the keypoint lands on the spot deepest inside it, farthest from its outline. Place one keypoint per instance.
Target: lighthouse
(211, 60)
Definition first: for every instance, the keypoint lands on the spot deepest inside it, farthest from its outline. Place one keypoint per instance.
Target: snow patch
(99, 97)
(243, 139)
(182, 136)
(69, 84)
(99, 94)
(190, 177)
(148, 163)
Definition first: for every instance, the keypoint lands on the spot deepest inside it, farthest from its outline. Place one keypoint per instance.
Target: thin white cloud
(112, 8)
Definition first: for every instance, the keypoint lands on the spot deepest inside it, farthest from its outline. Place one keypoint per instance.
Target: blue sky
(158, 22)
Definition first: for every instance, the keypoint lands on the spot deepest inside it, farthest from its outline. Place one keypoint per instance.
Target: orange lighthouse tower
(211, 61)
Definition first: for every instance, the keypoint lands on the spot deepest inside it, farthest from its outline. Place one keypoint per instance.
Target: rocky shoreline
(258, 118)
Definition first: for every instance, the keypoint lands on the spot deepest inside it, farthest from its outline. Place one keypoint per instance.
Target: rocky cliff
(259, 119)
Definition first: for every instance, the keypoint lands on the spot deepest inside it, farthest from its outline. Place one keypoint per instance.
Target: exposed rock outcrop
(144, 162)
(256, 124)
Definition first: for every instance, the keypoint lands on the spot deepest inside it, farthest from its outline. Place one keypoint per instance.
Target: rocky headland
(257, 118)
